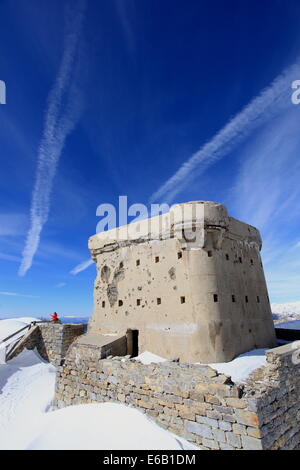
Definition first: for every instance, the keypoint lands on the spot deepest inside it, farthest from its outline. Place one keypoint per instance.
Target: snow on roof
(148, 357)
(238, 369)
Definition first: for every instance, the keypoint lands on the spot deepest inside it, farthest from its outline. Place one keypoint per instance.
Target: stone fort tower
(190, 283)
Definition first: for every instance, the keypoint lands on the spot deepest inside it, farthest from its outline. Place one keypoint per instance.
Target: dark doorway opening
(133, 342)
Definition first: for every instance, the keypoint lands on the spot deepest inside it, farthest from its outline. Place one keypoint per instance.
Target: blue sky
(120, 97)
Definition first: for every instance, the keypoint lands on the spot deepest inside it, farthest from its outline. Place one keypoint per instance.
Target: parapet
(188, 222)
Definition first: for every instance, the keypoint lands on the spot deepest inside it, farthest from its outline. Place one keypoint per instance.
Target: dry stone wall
(52, 340)
(56, 339)
(193, 401)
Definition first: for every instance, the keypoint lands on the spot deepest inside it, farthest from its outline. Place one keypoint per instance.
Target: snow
(242, 366)
(2, 353)
(27, 388)
(27, 385)
(286, 309)
(285, 312)
(148, 357)
(238, 369)
(287, 315)
(105, 426)
(8, 327)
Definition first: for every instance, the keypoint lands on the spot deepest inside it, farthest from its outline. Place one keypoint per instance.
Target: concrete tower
(189, 282)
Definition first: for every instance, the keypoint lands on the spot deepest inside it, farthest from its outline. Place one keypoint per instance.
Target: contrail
(63, 112)
(270, 101)
(81, 267)
(16, 294)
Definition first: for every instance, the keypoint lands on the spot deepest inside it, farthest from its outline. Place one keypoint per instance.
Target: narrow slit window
(240, 260)
(251, 261)
(179, 254)
(233, 298)
(227, 256)
(258, 299)
(215, 297)
(138, 262)
(182, 299)
(103, 303)
(158, 300)
(120, 303)
(209, 254)
(156, 259)
(138, 301)
(246, 299)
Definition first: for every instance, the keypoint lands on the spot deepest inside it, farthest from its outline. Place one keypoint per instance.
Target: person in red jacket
(54, 317)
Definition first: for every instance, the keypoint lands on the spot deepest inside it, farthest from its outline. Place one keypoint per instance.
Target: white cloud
(16, 294)
(270, 101)
(125, 12)
(12, 258)
(12, 224)
(64, 108)
(267, 193)
(60, 284)
(82, 267)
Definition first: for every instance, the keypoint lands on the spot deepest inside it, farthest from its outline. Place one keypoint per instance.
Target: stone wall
(273, 393)
(52, 340)
(56, 339)
(191, 400)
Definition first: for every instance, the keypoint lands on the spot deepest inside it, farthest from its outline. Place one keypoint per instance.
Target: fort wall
(51, 340)
(191, 400)
(191, 282)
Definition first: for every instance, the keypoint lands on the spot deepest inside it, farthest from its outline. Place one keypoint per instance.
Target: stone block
(201, 430)
(251, 443)
(234, 440)
(246, 417)
(209, 421)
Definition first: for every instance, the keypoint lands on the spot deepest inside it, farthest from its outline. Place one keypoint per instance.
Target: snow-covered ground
(8, 327)
(27, 389)
(103, 426)
(27, 422)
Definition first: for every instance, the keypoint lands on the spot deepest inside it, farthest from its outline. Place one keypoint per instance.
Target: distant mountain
(288, 311)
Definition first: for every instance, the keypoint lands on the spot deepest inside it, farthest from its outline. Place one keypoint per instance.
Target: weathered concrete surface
(106, 345)
(190, 281)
